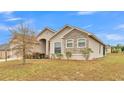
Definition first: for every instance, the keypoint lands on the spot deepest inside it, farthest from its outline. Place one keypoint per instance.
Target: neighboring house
(108, 49)
(4, 51)
(68, 39)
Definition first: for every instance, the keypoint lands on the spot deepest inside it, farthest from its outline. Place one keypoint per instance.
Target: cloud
(121, 26)
(111, 39)
(88, 26)
(28, 22)
(3, 27)
(86, 12)
(14, 19)
(115, 37)
(9, 16)
(6, 12)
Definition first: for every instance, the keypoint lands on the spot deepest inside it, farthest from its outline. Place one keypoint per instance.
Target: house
(108, 49)
(4, 51)
(70, 39)
(67, 39)
(12, 50)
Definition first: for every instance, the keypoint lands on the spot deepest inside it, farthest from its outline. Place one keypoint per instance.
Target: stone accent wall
(75, 35)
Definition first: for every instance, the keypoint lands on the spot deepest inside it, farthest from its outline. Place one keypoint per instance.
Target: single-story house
(70, 39)
(67, 39)
(108, 49)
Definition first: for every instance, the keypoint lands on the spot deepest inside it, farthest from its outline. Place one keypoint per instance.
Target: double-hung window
(81, 43)
(57, 47)
(69, 43)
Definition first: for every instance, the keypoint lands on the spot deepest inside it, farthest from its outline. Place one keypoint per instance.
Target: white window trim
(72, 43)
(83, 46)
(54, 46)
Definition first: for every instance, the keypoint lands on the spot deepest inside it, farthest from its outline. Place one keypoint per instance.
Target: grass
(110, 67)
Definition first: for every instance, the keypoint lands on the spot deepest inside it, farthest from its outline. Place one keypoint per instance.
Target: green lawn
(110, 67)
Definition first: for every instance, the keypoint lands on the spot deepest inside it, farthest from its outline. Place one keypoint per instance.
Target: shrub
(59, 55)
(86, 53)
(52, 56)
(68, 55)
(116, 50)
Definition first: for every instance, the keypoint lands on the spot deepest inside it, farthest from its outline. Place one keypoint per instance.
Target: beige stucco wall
(94, 45)
(108, 50)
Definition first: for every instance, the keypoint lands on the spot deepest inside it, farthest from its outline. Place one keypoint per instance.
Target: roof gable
(88, 33)
(62, 30)
(46, 33)
(46, 29)
(75, 34)
(71, 28)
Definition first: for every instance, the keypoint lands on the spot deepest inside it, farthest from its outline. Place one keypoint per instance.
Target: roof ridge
(50, 29)
(61, 30)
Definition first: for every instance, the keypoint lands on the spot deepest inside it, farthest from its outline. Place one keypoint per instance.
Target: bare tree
(23, 38)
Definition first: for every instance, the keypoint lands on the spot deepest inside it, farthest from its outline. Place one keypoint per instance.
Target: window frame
(78, 43)
(72, 43)
(60, 46)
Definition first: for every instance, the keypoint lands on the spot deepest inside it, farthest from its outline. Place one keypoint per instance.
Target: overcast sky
(108, 26)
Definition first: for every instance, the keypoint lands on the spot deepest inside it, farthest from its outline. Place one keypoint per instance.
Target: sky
(108, 26)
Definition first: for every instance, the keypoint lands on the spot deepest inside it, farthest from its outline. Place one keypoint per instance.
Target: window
(57, 47)
(81, 43)
(69, 43)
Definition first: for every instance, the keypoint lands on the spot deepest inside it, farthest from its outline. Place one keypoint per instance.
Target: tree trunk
(24, 60)
(6, 55)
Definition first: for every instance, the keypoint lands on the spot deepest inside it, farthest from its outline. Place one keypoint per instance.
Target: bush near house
(35, 56)
(86, 53)
(68, 55)
(53, 56)
(59, 55)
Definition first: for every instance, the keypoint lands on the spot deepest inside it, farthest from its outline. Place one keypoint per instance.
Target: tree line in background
(117, 49)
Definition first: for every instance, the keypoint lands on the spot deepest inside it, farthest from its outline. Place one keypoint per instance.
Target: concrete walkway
(10, 59)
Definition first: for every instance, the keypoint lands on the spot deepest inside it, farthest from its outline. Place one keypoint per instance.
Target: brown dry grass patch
(110, 67)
